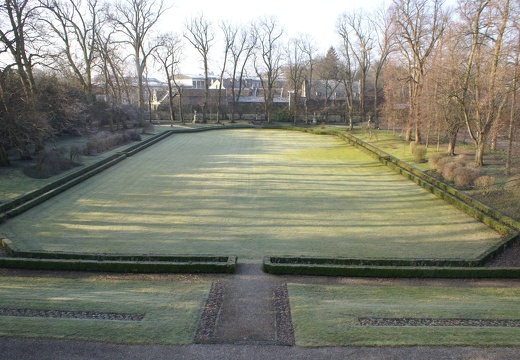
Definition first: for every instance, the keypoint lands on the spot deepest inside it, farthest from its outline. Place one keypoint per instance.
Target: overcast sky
(315, 18)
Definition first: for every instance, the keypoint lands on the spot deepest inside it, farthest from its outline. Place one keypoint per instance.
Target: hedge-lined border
(272, 266)
(148, 263)
(107, 262)
(491, 217)
(407, 268)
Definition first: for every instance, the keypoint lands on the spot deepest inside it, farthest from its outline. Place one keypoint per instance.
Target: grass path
(251, 193)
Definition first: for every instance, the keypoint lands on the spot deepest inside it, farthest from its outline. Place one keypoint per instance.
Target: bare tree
(296, 66)
(111, 68)
(241, 53)
(309, 50)
(357, 32)
(18, 34)
(419, 27)
(348, 73)
(513, 115)
(168, 54)
(199, 33)
(76, 25)
(268, 58)
(230, 32)
(482, 94)
(135, 19)
(381, 23)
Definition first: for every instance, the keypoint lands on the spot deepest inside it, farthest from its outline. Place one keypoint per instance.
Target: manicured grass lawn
(328, 315)
(172, 308)
(251, 193)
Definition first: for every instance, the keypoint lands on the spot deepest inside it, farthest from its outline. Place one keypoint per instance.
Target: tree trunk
(452, 140)
(479, 153)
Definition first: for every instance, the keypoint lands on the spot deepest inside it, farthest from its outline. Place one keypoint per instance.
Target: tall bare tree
(230, 32)
(76, 25)
(419, 27)
(296, 66)
(514, 86)
(135, 19)
(309, 50)
(199, 32)
(241, 53)
(357, 32)
(168, 54)
(348, 72)
(381, 23)
(482, 93)
(268, 58)
(18, 34)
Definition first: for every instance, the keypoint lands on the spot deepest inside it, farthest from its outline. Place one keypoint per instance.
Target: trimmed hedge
(227, 267)
(439, 188)
(148, 263)
(273, 265)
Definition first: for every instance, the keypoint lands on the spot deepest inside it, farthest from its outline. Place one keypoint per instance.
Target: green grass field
(172, 308)
(251, 193)
(328, 315)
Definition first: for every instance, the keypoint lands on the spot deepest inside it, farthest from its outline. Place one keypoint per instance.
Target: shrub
(448, 170)
(513, 186)
(49, 163)
(105, 140)
(434, 160)
(75, 153)
(465, 175)
(419, 154)
(485, 183)
(461, 159)
(441, 163)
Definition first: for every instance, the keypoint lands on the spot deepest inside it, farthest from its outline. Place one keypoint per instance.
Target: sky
(315, 18)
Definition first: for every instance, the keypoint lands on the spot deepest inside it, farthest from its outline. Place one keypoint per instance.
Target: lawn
(171, 308)
(251, 193)
(328, 315)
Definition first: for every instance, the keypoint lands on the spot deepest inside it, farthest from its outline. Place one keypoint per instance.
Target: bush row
(105, 140)
(342, 261)
(482, 212)
(116, 262)
(270, 265)
(227, 267)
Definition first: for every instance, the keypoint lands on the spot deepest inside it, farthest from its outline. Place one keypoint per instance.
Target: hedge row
(148, 263)
(272, 266)
(120, 266)
(482, 212)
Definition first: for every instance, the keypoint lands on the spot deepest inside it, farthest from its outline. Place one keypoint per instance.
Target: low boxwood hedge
(274, 265)
(121, 266)
(147, 263)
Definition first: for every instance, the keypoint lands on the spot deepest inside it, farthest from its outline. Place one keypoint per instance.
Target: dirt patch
(62, 314)
(438, 322)
(208, 321)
